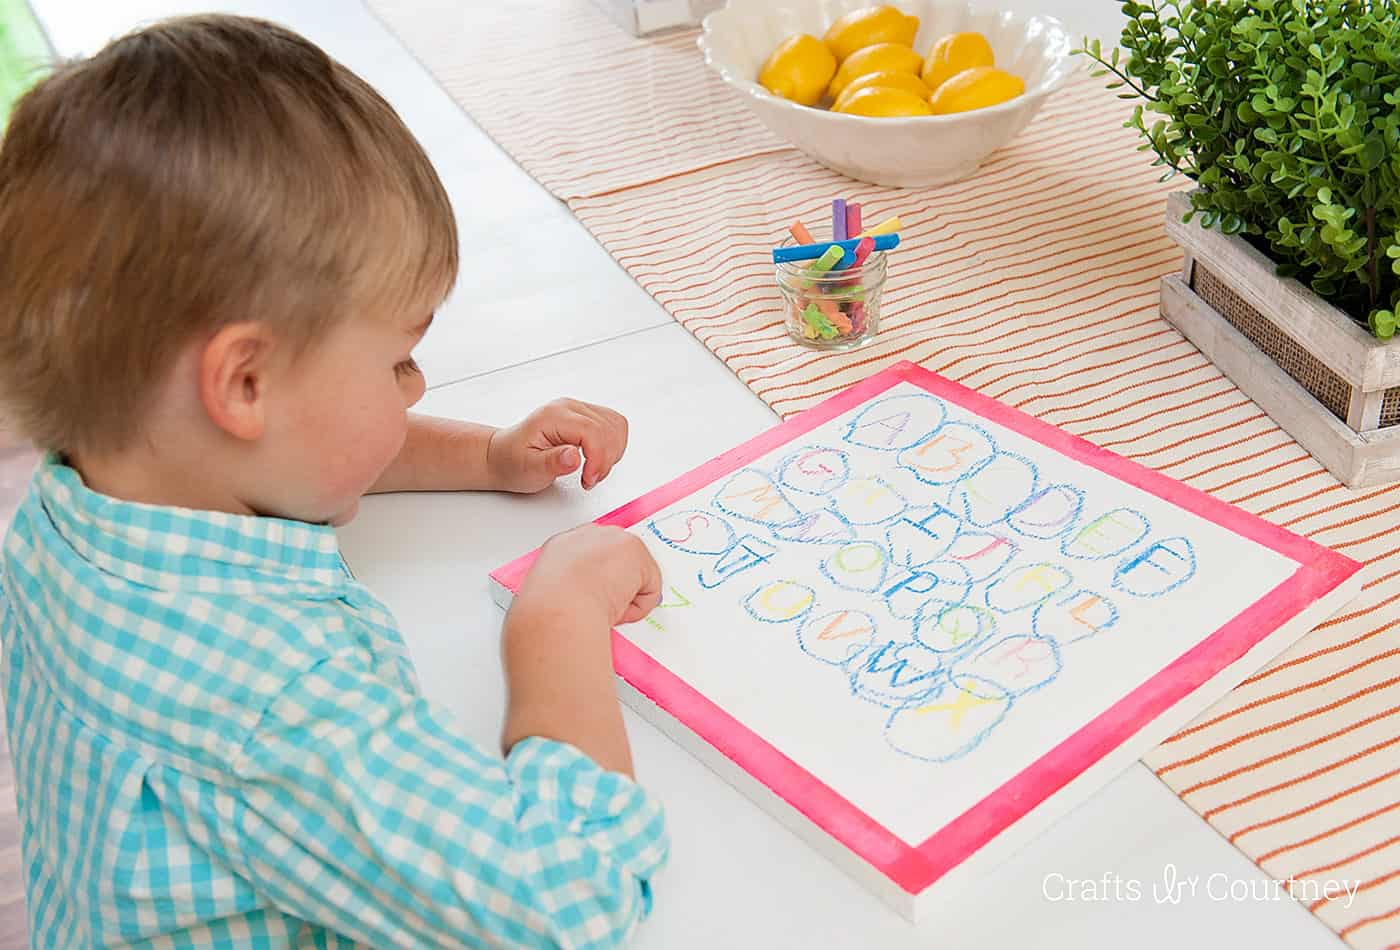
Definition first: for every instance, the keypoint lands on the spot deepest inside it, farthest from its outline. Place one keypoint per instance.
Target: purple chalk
(838, 219)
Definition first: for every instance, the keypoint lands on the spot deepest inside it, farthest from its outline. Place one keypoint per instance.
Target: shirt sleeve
(361, 809)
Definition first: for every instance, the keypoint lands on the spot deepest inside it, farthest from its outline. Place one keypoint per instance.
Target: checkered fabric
(219, 741)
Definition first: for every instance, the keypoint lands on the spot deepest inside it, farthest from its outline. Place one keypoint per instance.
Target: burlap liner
(1307, 370)
(1390, 407)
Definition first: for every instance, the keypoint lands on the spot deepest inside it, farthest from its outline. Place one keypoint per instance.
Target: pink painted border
(916, 868)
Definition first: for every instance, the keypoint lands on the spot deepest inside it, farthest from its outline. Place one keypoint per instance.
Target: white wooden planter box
(1328, 382)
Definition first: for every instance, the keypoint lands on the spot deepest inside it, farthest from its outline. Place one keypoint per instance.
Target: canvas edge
(762, 796)
(1097, 776)
(500, 593)
(1015, 837)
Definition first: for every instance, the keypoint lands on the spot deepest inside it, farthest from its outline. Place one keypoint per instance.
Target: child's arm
(557, 640)
(446, 455)
(363, 809)
(440, 455)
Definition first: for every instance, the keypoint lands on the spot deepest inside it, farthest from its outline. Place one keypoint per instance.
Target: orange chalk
(834, 314)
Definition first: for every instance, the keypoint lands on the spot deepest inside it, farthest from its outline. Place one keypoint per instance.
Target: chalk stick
(827, 261)
(828, 320)
(863, 249)
(852, 219)
(817, 323)
(810, 252)
(800, 234)
(838, 219)
(887, 226)
(857, 256)
(835, 316)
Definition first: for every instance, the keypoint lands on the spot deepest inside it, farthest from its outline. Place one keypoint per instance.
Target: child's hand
(555, 643)
(592, 567)
(529, 456)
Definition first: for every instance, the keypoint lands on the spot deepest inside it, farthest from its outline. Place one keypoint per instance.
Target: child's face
(342, 416)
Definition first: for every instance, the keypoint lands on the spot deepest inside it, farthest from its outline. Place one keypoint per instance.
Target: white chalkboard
(917, 624)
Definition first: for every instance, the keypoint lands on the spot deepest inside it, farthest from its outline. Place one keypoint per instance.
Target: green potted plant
(1286, 114)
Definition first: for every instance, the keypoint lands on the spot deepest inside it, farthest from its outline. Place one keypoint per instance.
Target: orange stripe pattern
(1036, 282)
(581, 105)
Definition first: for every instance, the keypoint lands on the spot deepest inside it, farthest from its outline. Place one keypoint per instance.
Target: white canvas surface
(1011, 596)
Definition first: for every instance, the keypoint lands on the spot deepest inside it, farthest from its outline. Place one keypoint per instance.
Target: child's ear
(233, 374)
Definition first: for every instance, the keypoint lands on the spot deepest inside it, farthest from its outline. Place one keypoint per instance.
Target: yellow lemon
(955, 53)
(887, 80)
(861, 28)
(799, 69)
(976, 88)
(880, 58)
(883, 101)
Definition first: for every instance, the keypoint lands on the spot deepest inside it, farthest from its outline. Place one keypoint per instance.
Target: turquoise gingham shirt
(219, 742)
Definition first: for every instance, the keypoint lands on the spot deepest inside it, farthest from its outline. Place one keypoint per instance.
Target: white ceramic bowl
(902, 152)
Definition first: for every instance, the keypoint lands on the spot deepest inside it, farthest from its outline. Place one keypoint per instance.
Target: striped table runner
(1035, 282)
(581, 105)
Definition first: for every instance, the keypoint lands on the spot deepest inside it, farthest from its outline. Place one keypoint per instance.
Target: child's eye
(408, 367)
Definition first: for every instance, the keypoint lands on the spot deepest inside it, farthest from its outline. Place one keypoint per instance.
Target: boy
(217, 248)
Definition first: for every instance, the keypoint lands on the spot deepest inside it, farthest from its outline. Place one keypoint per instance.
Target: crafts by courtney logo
(1173, 887)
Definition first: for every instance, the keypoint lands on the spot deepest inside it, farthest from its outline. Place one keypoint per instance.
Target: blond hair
(199, 172)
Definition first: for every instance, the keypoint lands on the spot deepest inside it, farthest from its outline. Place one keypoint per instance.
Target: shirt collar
(169, 548)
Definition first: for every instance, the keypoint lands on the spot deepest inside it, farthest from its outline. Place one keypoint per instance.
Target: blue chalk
(810, 252)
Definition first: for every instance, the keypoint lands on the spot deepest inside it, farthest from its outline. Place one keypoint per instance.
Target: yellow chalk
(887, 226)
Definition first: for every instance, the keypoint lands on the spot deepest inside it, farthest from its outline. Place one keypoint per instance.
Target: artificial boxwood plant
(1287, 115)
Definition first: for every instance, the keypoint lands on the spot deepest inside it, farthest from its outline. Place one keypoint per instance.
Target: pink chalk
(863, 249)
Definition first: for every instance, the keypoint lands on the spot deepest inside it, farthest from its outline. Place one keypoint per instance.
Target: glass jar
(835, 310)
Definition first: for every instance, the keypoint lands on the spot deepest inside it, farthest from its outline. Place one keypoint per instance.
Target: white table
(737, 878)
